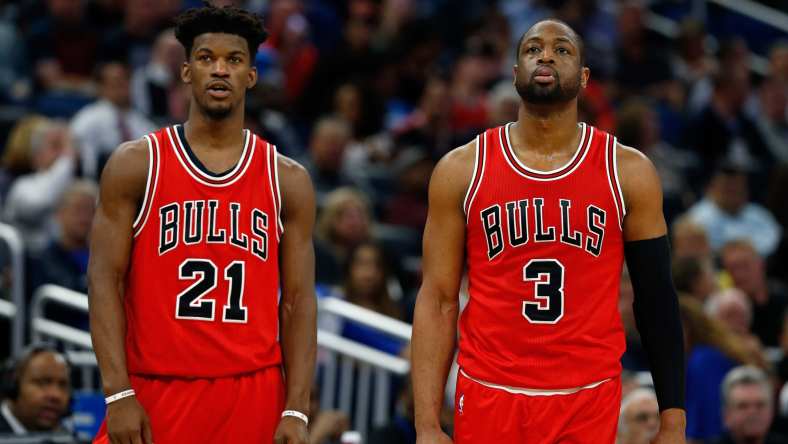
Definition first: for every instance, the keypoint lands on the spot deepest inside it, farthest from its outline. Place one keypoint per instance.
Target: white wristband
(296, 414)
(118, 396)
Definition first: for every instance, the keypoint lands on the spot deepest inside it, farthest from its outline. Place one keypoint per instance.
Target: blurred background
(368, 95)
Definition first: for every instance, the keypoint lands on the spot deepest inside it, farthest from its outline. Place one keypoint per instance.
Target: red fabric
(492, 415)
(501, 340)
(160, 340)
(239, 409)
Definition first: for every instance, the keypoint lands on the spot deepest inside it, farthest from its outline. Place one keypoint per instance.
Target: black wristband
(657, 317)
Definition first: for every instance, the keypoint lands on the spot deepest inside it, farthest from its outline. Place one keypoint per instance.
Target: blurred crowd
(369, 94)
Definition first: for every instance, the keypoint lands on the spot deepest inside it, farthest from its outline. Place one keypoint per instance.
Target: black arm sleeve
(657, 317)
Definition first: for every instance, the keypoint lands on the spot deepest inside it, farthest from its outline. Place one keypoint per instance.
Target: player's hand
(436, 436)
(673, 422)
(669, 436)
(291, 430)
(127, 422)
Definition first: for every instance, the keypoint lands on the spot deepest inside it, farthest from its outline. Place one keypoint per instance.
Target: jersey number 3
(549, 290)
(190, 302)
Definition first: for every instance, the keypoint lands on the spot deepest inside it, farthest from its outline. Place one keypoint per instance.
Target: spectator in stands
(102, 126)
(733, 54)
(504, 104)
(325, 426)
(142, 21)
(769, 298)
(17, 155)
(640, 61)
(33, 197)
(14, 85)
(722, 130)
(38, 390)
(63, 46)
(778, 61)
(771, 117)
(345, 221)
(732, 307)
(64, 261)
(689, 239)
(712, 351)
(401, 428)
(694, 277)
(468, 95)
(727, 214)
(408, 206)
(691, 61)
(638, 126)
(748, 407)
(155, 87)
(330, 139)
(429, 125)
(638, 422)
(775, 201)
(366, 284)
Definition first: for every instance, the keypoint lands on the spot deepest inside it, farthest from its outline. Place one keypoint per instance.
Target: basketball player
(194, 224)
(543, 212)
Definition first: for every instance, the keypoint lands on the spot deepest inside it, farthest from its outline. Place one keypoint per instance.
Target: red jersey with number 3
(202, 286)
(544, 254)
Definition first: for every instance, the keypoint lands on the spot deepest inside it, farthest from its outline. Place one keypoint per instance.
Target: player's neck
(546, 129)
(213, 133)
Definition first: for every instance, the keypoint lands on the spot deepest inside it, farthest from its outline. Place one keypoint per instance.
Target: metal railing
(347, 366)
(15, 308)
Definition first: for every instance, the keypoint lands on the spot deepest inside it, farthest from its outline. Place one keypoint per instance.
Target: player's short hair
(581, 46)
(227, 20)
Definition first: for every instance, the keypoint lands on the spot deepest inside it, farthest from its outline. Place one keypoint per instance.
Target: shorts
(484, 415)
(237, 409)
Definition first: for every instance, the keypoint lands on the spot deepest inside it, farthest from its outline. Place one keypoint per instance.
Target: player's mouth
(544, 75)
(219, 90)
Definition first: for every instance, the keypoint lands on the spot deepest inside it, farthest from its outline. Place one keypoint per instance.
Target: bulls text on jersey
(188, 222)
(518, 232)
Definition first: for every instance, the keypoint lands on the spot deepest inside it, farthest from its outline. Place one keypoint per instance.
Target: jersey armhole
(150, 185)
(476, 177)
(611, 165)
(273, 179)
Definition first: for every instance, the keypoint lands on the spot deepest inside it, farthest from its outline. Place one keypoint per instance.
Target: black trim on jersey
(195, 160)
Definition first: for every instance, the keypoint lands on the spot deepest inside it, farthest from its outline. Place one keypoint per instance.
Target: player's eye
(532, 50)
(203, 57)
(562, 50)
(235, 59)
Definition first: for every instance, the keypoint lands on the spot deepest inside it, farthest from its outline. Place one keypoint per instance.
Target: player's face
(219, 71)
(548, 66)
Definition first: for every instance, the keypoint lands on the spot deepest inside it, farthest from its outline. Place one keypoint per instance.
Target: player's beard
(557, 92)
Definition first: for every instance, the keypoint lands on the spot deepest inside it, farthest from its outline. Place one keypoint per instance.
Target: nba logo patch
(460, 404)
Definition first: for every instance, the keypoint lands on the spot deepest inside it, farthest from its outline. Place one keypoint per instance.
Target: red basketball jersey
(544, 254)
(202, 286)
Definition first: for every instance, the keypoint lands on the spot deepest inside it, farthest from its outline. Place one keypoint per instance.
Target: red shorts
(484, 415)
(239, 409)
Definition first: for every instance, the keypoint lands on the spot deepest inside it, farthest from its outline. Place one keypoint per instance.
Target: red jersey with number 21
(202, 286)
(544, 254)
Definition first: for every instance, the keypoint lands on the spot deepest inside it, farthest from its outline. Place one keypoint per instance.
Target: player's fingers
(136, 438)
(147, 433)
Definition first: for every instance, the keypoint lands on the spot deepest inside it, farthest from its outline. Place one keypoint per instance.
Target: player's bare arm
(656, 308)
(122, 188)
(297, 309)
(437, 305)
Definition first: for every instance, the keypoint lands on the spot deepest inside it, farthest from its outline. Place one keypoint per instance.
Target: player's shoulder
(454, 171)
(290, 169)
(636, 172)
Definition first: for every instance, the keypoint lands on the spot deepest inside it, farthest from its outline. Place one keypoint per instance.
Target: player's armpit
(437, 305)
(122, 187)
(298, 307)
(642, 191)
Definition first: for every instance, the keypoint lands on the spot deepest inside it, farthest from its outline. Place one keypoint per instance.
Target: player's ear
(585, 74)
(186, 73)
(514, 74)
(252, 78)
